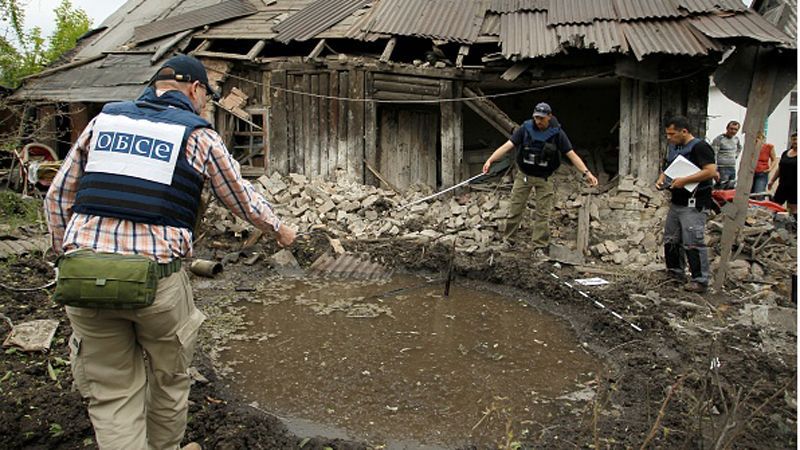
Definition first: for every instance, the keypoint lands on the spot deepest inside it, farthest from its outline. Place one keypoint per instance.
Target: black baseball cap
(186, 69)
(542, 110)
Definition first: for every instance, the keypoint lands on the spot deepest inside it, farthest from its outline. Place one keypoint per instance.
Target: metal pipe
(205, 268)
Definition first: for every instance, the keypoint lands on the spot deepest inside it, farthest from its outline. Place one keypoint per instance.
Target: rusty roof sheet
(203, 16)
(664, 36)
(115, 77)
(509, 6)
(560, 12)
(526, 35)
(704, 6)
(645, 9)
(450, 20)
(316, 18)
(605, 36)
(747, 25)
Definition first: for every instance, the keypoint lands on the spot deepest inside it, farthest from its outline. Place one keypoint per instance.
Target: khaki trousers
(543, 195)
(133, 405)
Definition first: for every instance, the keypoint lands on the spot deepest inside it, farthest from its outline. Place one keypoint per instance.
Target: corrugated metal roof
(349, 266)
(450, 20)
(316, 18)
(749, 25)
(645, 9)
(526, 35)
(560, 12)
(211, 14)
(115, 77)
(509, 6)
(663, 36)
(605, 36)
(784, 17)
(704, 6)
(491, 25)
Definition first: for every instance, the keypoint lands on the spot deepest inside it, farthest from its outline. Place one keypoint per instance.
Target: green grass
(16, 211)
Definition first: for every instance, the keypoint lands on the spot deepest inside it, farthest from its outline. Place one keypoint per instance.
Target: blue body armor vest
(137, 168)
(684, 150)
(538, 156)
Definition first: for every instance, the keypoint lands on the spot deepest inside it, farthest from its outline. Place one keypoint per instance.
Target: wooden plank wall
(644, 107)
(316, 134)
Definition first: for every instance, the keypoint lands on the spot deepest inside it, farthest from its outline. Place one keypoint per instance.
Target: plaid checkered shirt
(206, 153)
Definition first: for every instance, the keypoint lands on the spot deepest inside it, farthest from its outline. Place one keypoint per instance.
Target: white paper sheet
(682, 167)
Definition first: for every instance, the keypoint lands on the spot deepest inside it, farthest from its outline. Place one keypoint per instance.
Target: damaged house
(417, 91)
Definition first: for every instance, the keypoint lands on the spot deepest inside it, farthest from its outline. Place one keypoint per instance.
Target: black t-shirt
(701, 155)
(561, 140)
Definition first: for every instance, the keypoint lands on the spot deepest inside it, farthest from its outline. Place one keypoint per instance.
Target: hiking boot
(694, 286)
(678, 276)
(192, 446)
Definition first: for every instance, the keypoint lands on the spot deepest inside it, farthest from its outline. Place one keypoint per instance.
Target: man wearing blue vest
(539, 142)
(684, 230)
(122, 209)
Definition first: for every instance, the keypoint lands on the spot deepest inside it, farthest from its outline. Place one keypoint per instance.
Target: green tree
(32, 52)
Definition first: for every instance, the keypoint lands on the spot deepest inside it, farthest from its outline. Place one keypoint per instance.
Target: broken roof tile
(316, 18)
(605, 36)
(230, 9)
(450, 20)
(748, 25)
(526, 35)
(670, 37)
(645, 9)
(704, 6)
(560, 12)
(509, 6)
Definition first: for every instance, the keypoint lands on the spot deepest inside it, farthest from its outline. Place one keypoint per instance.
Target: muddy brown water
(410, 369)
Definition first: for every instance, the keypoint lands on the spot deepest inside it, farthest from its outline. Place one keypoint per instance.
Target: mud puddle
(408, 369)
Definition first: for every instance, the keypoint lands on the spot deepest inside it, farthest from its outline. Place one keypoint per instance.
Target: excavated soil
(696, 376)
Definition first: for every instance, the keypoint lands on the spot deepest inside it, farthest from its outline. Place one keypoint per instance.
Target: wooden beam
(253, 53)
(202, 47)
(513, 72)
(490, 112)
(221, 55)
(757, 111)
(168, 45)
(463, 51)
(387, 51)
(380, 177)
(317, 50)
(583, 224)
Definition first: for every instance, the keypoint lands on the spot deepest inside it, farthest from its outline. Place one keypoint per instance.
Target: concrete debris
(625, 227)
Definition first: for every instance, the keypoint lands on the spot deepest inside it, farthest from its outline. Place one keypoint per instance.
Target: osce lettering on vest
(134, 147)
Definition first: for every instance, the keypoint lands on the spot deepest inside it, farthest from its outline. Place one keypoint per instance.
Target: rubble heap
(626, 218)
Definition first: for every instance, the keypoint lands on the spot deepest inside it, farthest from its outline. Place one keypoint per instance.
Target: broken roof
(522, 29)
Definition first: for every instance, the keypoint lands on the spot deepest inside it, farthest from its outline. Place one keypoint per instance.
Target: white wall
(721, 110)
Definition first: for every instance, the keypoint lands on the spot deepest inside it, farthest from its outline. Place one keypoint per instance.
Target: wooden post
(448, 175)
(625, 95)
(584, 218)
(370, 133)
(317, 50)
(757, 110)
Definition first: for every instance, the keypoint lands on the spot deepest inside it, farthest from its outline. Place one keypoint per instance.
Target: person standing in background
(727, 148)
(787, 174)
(766, 161)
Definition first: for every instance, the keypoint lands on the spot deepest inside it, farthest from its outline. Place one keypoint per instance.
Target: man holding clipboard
(688, 171)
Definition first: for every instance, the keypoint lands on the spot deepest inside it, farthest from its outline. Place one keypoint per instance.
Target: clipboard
(682, 167)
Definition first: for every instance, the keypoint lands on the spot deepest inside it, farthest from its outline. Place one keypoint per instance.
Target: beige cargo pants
(543, 195)
(133, 405)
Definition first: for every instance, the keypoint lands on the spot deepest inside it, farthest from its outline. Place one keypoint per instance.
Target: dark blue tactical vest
(538, 156)
(137, 168)
(680, 150)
